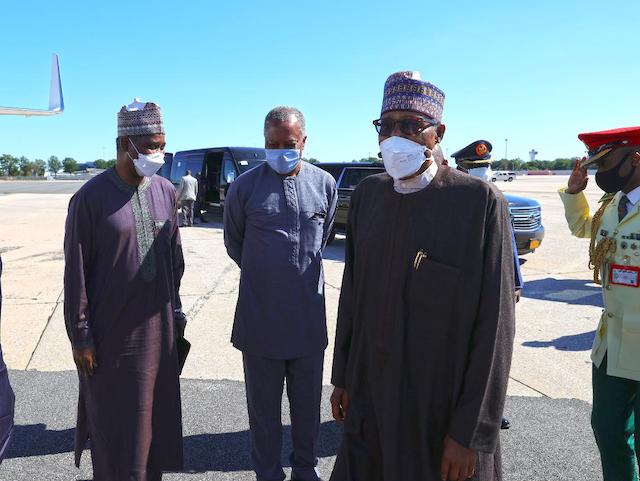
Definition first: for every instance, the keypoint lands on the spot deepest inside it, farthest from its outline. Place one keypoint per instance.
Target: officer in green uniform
(615, 258)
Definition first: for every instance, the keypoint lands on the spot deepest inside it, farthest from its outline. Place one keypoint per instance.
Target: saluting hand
(339, 404)
(85, 360)
(578, 180)
(458, 462)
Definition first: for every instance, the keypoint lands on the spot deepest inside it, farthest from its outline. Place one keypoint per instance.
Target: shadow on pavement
(37, 440)
(577, 342)
(566, 291)
(230, 451)
(203, 452)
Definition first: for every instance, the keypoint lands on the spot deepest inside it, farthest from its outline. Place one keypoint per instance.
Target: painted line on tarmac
(55, 307)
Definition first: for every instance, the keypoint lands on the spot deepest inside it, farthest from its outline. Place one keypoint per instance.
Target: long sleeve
(344, 327)
(577, 213)
(78, 247)
(331, 215)
(234, 224)
(178, 270)
(519, 280)
(477, 416)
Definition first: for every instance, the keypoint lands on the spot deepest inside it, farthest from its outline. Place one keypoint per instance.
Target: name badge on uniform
(625, 276)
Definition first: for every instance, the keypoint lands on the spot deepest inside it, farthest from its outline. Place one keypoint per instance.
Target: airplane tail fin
(56, 100)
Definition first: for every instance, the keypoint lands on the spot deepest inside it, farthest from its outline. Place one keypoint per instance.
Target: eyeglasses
(411, 126)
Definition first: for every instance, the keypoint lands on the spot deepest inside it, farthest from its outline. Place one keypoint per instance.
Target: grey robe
(424, 353)
(123, 269)
(275, 229)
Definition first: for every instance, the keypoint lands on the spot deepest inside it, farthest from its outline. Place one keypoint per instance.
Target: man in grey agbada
(187, 194)
(277, 220)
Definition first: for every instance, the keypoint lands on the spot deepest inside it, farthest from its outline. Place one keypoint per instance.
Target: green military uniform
(616, 348)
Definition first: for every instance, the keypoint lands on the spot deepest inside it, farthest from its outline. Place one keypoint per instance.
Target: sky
(534, 72)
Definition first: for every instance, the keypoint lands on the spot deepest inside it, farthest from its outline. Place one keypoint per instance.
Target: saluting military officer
(616, 261)
(475, 159)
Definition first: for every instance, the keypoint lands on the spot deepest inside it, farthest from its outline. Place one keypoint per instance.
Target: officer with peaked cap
(615, 258)
(475, 159)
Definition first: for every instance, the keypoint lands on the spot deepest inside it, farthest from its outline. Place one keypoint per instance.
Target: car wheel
(510, 179)
(493, 179)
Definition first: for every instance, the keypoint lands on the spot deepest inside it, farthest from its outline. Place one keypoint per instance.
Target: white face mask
(485, 173)
(402, 157)
(147, 164)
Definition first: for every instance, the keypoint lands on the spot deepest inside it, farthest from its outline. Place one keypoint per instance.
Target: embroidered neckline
(145, 234)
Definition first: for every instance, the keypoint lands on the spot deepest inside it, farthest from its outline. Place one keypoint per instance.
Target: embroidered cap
(140, 118)
(407, 91)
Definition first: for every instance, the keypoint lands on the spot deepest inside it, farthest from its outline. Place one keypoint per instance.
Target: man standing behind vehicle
(187, 194)
(277, 220)
(475, 159)
(200, 198)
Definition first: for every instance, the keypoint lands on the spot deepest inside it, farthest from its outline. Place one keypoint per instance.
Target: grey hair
(283, 114)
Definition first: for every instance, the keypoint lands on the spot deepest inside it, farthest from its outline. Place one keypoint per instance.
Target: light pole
(506, 142)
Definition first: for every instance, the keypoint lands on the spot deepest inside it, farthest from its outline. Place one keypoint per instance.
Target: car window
(352, 177)
(245, 165)
(248, 158)
(184, 161)
(228, 170)
(334, 170)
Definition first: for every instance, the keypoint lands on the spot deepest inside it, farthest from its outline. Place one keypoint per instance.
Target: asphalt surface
(40, 187)
(550, 439)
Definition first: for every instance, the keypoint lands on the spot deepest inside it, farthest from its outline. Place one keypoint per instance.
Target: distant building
(532, 155)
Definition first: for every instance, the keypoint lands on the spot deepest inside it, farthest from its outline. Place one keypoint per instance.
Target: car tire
(510, 179)
(493, 179)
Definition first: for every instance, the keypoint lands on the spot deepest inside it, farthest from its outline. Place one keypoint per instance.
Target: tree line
(23, 167)
(511, 164)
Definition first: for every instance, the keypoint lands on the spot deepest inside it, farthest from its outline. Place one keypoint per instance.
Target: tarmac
(550, 385)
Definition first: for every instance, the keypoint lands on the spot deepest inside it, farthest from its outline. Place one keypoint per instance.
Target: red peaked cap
(593, 140)
(601, 143)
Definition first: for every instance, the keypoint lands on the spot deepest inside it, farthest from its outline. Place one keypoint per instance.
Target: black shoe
(506, 424)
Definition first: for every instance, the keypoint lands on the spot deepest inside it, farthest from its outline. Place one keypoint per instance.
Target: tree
(104, 164)
(39, 166)
(26, 166)
(54, 164)
(70, 165)
(372, 160)
(9, 165)
(311, 160)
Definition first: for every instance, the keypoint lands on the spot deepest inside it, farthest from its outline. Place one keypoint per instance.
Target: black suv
(526, 214)
(218, 166)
